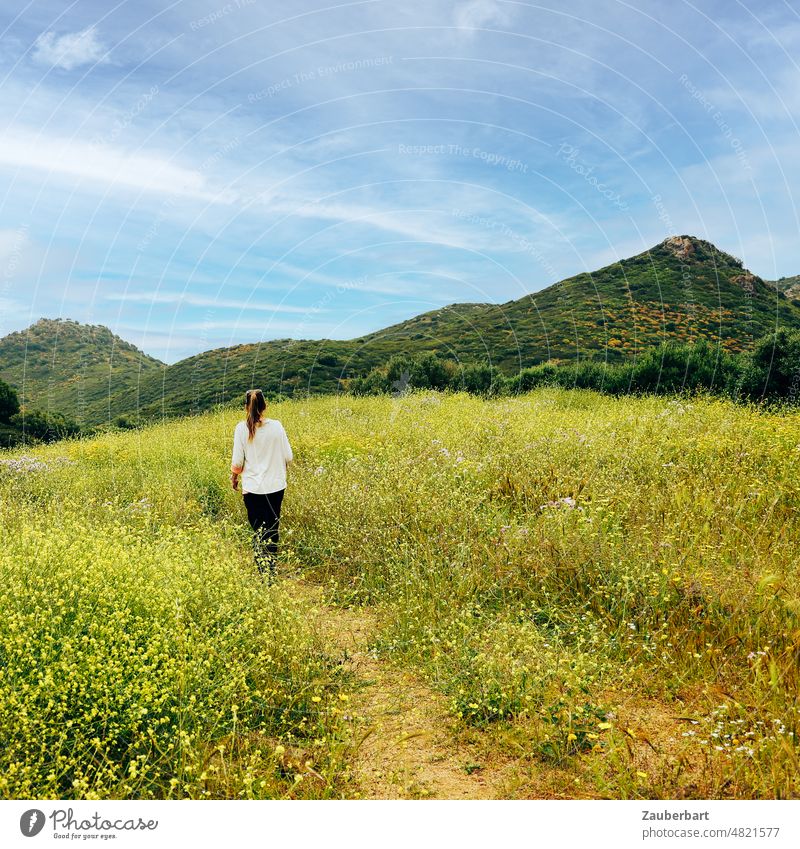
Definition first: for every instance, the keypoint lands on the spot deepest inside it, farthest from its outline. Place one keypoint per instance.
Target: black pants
(264, 515)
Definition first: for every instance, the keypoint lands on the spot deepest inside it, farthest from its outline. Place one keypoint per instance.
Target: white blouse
(262, 461)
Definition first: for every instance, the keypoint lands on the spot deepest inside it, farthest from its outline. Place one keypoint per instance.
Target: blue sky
(199, 174)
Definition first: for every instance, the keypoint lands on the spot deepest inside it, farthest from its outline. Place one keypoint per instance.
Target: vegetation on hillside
(62, 367)
(17, 426)
(683, 290)
(771, 372)
(790, 286)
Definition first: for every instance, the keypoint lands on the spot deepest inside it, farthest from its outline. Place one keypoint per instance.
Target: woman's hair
(256, 405)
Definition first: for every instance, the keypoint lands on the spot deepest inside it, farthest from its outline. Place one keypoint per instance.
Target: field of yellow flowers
(605, 590)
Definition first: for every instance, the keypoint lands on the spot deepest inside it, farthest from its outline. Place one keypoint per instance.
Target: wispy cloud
(187, 298)
(106, 164)
(480, 13)
(265, 327)
(70, 50)
(428, 226)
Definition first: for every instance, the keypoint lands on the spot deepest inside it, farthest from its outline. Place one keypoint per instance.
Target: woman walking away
(261, 452)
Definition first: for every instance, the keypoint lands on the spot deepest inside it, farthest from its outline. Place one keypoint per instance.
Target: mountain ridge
(790, 286)
(61, 365)
(684, 289)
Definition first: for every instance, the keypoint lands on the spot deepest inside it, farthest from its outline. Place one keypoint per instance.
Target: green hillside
(790, 286)
(682, 289)
(63, 366)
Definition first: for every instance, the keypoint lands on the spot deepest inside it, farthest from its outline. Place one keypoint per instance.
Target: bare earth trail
(407, 747)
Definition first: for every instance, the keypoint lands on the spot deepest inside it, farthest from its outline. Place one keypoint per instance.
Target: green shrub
(544, 374)
(678, 367)
(9, 403)
(45, 427)
(478, 378)
(772, 371)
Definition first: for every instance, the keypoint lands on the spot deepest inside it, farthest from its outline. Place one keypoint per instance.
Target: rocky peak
(681, 247)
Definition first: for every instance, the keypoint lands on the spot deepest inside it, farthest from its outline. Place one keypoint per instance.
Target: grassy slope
(682, 289)
(64, 366)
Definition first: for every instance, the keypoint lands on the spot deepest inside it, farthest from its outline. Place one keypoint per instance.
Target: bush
(45, 427)
(402, 372)
(429, 372)
(124, 423)
(544, 374)
(678, 367)
(478, 378)
(375, 383)
(772, 371)
(9, 436)
(9, 403)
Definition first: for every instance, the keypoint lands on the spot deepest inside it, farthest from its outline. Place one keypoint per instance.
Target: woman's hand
(235, 480)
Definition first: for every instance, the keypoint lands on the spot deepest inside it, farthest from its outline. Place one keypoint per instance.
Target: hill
(790, 286)
(682, 289)
(59, 365)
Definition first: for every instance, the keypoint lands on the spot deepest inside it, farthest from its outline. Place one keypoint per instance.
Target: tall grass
(535, 557)
(142, 656)
(541, 560)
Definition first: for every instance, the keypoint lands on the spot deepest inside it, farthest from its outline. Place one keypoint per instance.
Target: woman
(261, 452)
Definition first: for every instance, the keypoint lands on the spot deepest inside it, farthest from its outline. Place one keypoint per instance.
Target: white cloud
(12, 244)
(70, 50)
(480, 13)
(304, 275)
(411, 224)
(106, 164)
(201, 301)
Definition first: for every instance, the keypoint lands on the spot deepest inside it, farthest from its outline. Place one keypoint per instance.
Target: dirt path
(408, 745)
(407, 748)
